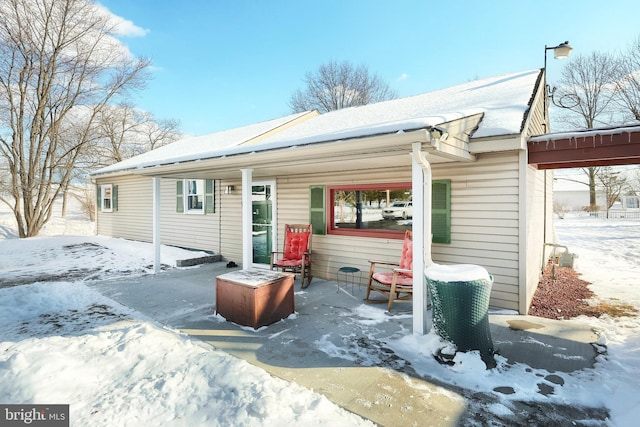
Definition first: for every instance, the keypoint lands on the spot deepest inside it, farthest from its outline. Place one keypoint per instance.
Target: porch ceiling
(594, 147)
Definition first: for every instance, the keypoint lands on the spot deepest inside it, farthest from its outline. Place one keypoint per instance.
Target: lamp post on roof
(560, 51)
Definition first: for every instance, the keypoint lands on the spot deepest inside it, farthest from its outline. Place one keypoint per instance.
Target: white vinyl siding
(202, 232)
(132, 220)
(485, 222)
(537, 217)
(186, 231)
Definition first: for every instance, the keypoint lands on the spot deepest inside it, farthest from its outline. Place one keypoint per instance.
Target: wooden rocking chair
(396, 284)
(296, 257)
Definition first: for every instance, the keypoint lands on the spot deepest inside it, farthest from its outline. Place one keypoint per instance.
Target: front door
(263, 201)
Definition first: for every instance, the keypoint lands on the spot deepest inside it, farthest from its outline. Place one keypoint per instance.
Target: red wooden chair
(396, 283)
(296, 257)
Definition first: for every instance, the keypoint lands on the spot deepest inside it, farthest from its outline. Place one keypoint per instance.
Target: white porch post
(247, 219)
(156, 224)
(421, 190)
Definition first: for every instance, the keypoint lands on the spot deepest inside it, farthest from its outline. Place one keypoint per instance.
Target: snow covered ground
(62, 342)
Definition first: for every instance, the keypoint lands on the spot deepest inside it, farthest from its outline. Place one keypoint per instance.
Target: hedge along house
(459, 154)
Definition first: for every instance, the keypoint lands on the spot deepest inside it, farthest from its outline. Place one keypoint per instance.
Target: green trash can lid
(456, 273)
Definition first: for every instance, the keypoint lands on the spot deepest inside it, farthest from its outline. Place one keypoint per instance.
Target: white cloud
(403, 76)
(123, 27)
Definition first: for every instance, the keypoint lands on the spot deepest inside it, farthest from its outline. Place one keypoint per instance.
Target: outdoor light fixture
(229, 189)
(560, 51)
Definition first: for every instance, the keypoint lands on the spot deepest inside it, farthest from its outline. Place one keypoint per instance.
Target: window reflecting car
(400, 209)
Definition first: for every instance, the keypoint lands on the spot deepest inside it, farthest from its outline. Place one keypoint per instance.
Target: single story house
(571, 192)
(459, 153)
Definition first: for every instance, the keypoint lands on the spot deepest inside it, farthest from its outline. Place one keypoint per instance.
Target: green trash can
(460, 306)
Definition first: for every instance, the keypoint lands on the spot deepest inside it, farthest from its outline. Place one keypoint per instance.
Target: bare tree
(59, 66)
(339, 85)
(628, 81)
(588, 82)
(560, 208)
(587, 88)
(122, 131)
(612, 184)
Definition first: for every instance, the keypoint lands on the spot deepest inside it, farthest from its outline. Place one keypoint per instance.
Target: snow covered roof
(502, 100)
(201, 146)
(589, 133)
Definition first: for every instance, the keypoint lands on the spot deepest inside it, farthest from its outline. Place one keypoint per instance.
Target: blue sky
(224, 64)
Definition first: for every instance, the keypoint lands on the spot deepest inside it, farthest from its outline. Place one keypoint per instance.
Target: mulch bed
(563, 297)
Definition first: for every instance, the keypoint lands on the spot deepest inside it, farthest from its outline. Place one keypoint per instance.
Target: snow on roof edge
(586, 133)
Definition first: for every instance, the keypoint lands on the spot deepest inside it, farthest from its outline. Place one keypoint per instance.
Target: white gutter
(421, 187)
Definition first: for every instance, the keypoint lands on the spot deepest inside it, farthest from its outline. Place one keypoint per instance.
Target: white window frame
(106, 189)
(200, 194)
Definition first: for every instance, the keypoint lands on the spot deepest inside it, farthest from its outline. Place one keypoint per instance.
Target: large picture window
(372, 209)
(377, 210)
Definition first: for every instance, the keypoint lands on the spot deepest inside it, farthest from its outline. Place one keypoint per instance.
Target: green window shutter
(317, 215)
(441, 211)
(209, 196)
(114, 197)
(179, 197)
(99, 197)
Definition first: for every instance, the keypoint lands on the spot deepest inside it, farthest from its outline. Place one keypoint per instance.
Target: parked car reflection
(402, 209)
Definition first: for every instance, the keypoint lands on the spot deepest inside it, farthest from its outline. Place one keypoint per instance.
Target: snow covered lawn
(64, 343)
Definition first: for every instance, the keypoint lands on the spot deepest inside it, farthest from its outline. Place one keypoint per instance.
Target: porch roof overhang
(593, 147)
(359, 153)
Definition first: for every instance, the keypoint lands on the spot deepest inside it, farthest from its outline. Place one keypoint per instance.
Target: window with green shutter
(114, 200)
(179, 196)
(317, 210)
(441, 211)
(377, 210)
(209, 196)
(195, 196)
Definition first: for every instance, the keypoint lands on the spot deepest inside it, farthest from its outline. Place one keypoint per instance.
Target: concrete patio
(380, 386)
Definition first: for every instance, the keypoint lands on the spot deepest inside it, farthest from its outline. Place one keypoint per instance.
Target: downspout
(219, 199)
(544, 224)
(156, 224)
(421, 189)
(247, 219)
